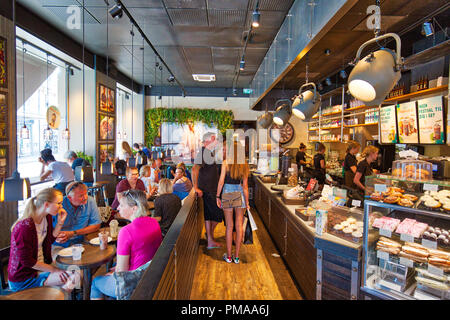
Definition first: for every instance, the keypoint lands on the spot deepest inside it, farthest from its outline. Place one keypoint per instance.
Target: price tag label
(356, 203)
(406, 237)
(406, 262)
(382, 255)
(435, 270)
(430, 187)
(380, 187)
(385, 233)
(429, 244)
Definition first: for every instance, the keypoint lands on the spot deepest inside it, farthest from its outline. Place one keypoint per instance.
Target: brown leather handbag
(231, 200)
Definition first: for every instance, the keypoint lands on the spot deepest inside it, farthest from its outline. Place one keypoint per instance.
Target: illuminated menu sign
(431, 120)
(388, 128)
(407, 122)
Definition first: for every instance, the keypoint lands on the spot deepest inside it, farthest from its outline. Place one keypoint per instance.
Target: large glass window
(41, 101)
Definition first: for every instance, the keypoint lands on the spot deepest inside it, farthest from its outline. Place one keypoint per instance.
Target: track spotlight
(116, 11)
(343, 74)
(328, 81)
(283, 112)
(374, 76)
(427, 29)
(320, 87)
(171, 78)
(242, 64)
(234, 92)
(307, 103)
(256, 18)
(327, 52)
(265, 121)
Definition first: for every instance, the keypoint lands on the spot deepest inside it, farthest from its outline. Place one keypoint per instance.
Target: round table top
(90, 258)
(100, 183)
(93, 235)
(39, 293)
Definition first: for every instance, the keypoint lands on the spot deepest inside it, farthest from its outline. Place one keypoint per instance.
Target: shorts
(38, 281)
(227, 188)
(210, 209)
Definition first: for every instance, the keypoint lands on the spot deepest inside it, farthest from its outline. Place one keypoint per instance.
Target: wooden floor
(259, 276)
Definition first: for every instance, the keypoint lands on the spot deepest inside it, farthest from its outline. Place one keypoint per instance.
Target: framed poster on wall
(388, 125)
(431, 120)
(105, 127)
(3, 64)
(106, 99)
(3, 162)
(407, 122)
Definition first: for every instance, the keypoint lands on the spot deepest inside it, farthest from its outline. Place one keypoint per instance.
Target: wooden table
(39, 293)
(93, 235)
(91, 259)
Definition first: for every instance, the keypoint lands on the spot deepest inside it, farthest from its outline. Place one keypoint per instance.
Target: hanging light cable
(24, 131)
(132, 80)
(48, 135)
(66, 132)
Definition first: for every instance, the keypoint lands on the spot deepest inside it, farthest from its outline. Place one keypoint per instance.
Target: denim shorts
(227, 188)
(29, 283)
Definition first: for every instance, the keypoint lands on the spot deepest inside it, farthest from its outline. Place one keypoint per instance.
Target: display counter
(325, 267)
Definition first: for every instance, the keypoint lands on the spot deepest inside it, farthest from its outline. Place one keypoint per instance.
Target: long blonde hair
(126, 148)
(165, 186)
(145, 171)
(45, 195)
(237, 170)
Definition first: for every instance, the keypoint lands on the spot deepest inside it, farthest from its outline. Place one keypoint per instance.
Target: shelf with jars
(406, 241)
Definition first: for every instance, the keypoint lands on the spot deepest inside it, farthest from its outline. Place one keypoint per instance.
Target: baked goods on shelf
(391, 199)
(405, 202)
(412, 169)
(376, 196)
(386, 223)
(410, 197)
(411, 227)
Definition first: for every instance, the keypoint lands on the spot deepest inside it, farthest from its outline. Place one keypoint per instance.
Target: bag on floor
(248, 233)
(251, 220)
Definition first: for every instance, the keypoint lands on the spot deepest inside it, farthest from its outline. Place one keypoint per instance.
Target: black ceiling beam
(119, 2)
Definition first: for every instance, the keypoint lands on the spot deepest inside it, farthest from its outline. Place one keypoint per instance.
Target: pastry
(396, 194)
(397, 172)
(347, 231)
(391, 199)
(359, 224)
(439, 254)
(376, 196)
(413, 257)
(338, 227)
(410, 197)
(395, 189)
(345, 224)
(445, 193)
(446, 206)
(351, 220)
(356, 236)
(415, 251)
(405, 202)
(432, 204)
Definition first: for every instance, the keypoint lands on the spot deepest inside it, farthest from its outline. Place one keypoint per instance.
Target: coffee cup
(76, 251)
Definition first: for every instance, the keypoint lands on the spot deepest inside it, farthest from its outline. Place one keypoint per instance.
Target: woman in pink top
(136, 245)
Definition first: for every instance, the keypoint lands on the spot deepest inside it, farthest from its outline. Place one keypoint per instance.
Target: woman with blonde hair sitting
(181, 184)
(32, 236)
(137, 242)
(234, 178)
(145, 176)
(167, 205)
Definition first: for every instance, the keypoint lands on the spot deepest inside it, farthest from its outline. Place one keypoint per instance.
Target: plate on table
(67, 252)
(96, 241)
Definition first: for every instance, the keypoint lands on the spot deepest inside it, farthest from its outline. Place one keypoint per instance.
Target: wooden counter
(324, 267)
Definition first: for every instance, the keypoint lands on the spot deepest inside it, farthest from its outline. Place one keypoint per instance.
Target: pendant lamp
(15, 188)
(24, 131)
(66, 132)
(48, 134)
(107, 167)
(283, 112)
(306, 103)
(265, 121)
(375, 75)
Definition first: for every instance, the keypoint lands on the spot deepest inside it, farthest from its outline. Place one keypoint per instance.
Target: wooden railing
(171, 273)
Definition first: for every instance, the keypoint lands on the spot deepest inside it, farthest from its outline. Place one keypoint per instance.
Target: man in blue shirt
(74, 161)
(82, 215)
(145, 150)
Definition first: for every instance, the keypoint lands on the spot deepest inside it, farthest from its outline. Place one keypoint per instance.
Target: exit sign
(247, 91)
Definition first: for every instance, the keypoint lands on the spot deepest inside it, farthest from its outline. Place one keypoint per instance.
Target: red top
(124, 185)
(24, 249)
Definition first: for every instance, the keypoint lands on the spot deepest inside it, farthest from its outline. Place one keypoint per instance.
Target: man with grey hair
(205, 178)
(82, 215)
(74, 161)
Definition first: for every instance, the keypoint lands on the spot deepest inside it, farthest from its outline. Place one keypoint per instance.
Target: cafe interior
(130, 84)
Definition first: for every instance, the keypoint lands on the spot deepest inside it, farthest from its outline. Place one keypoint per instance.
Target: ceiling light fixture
(116, 11)
(283, 112)
(204, 77)
(327, 52)
(256, 17)
(24, 131)
(343, 74)
(306, 103)
(427, 29)
(374, 76)
(242, 64)
(328, 81)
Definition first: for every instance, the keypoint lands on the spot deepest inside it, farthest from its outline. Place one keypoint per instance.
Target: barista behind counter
(319, 164)
(364, 168)
(350, 163)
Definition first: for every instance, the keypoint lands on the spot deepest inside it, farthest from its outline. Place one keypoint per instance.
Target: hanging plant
(221, 119)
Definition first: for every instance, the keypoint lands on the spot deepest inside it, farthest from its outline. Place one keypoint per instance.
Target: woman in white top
(144, 175)
(61, 172)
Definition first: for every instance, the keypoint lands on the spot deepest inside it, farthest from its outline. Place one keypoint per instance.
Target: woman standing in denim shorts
(234, 178)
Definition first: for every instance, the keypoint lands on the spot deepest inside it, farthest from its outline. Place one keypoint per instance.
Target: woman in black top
(167, 205)
(364, 169)
(319, 164)
(350, 163)
(300, 158)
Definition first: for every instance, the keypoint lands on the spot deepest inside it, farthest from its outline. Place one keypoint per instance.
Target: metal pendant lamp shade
(265, 121)
(283, 112)
(106, 167)
(15, 188)
(374, 76)
(84, 174)
(307, 103)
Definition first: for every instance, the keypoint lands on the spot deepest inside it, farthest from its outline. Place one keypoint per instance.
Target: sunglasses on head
(73, 186)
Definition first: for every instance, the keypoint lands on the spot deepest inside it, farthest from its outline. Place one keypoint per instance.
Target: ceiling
(192, 36)
(347, 34)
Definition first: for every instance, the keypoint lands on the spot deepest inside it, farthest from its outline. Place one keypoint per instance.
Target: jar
(292, 178)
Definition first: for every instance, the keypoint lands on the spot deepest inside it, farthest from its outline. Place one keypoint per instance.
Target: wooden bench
(39, 293)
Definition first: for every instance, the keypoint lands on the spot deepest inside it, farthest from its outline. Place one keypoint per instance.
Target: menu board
(431, 120)
(407, 122)
(388, 125)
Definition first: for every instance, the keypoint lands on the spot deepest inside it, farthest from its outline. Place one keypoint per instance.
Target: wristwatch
(75, 232)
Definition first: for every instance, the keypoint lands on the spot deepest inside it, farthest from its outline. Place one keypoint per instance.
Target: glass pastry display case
(406, 238)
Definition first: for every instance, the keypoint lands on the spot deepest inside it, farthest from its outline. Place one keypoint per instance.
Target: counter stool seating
(39, 293)
(4, 258)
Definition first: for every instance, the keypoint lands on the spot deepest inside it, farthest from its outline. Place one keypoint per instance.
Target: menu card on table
(388, 126)
(431, 120)
(407, 122)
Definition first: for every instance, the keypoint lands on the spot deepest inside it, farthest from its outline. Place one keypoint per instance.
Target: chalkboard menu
(431, 120)
(388, 125)
(407, 122)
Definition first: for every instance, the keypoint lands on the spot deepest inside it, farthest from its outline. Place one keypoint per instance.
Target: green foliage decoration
(80, 154)
(221, 119)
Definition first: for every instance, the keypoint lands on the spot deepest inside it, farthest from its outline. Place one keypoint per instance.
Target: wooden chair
(39, 293)
(4, 258)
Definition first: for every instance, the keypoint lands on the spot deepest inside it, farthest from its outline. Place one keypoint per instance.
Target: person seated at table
(137, 242)
(83, 216)
(74, 161)
(131, 182)
(154, 171)
(61, 172)
(186, 172)
(144, 175)
(167, 205)
(181, 184)
(32, 236)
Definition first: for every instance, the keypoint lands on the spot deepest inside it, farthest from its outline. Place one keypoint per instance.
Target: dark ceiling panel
(199, 59)
(184, 4)
(188, 17)
(229, 4)
(208, 37)
(272, 5)
(228, 18)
